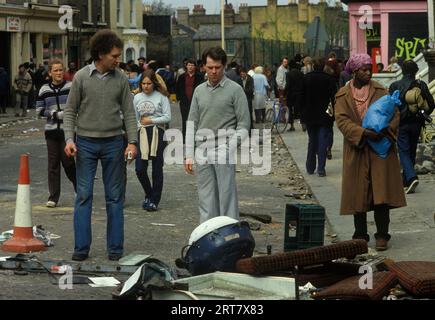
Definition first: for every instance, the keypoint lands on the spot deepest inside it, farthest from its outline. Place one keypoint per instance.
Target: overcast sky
(213, 6)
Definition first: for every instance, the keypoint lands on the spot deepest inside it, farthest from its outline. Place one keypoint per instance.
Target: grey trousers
(21, 102)
(217, 191)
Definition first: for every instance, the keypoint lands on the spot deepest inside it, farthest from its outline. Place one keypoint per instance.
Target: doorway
(5, 52)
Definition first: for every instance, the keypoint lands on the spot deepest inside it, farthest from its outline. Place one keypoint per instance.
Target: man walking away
(319, 90)
(293, 91)
(411, 122)
(99, 93)
(232, 72)
(217, 104)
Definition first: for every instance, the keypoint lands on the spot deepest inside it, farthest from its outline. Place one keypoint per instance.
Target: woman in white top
(153, 111)
(261, 85)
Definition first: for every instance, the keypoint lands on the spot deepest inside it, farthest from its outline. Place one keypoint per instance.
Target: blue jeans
(407, 142)
(110, 151)
(319, 139)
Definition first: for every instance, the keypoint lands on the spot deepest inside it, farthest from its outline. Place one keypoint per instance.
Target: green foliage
(159, 7)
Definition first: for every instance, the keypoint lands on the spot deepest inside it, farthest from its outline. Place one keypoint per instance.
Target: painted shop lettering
(408, 49)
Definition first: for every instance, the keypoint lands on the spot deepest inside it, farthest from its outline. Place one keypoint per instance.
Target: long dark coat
(368, 179)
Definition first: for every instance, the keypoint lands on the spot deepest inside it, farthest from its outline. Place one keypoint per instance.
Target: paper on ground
(101, 282)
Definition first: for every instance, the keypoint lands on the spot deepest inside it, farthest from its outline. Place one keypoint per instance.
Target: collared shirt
(244, 82)
(101, 76)
(220, 84)
(189, 86)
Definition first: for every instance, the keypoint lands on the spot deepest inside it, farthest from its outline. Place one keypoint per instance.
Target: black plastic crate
(309, 220)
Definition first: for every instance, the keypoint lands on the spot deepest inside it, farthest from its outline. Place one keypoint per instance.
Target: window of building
(230, 46)
(142, 52)
(130, 54)
(133, 12)
(103, 11)
(119, 12)
(52, 47)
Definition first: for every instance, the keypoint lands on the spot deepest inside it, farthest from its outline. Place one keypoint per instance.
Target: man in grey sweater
(219, 106)
(99, 95)
(281, 80)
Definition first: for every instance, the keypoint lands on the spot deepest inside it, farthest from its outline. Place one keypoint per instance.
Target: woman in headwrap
(369, 182)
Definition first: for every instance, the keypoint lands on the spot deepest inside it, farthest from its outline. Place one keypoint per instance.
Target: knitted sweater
(223, 107)
(94, 105)
(51, 104)
(23, 82)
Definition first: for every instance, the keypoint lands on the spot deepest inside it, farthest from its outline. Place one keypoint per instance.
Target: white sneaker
(411, 188)
(51, 204)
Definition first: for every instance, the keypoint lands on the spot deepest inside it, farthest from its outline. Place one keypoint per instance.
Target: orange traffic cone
(23, 240)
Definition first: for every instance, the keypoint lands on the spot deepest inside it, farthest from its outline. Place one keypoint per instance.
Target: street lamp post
(430, 13)
(223, 23)
(429, 54)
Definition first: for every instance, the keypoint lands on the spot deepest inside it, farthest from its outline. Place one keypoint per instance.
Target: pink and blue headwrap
(357, 61)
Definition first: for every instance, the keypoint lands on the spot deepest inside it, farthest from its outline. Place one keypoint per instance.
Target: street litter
(152, 273)
(45, 236)
(133, 259)
(163, 224)
(30, 130)
(299, 196)
(38, 232)
(6, 235)
(307, 288)
(104, 282)
(60, 269)
(264, 218)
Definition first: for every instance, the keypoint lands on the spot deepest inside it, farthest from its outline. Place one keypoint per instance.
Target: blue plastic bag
(378, 117)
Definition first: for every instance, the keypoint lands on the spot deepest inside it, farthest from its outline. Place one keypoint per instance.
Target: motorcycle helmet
(216, 245)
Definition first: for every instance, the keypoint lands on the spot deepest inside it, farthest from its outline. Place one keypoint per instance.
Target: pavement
(411, 227)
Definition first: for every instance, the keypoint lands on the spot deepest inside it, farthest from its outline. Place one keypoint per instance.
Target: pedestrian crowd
(117, 113)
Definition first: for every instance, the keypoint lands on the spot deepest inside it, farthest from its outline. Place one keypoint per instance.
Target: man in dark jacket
(293, 91)
(186, 85)
(318, 92)
(410, 123)
(247, 84)
(4, 89)
(232, 72)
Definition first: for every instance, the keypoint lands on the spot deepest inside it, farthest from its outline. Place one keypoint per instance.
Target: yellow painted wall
(285, 23)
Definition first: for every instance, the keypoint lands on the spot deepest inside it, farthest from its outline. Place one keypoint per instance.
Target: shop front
(30, 34)
(386, 28)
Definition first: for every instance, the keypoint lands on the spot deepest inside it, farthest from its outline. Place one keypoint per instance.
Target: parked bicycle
(278, 116)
